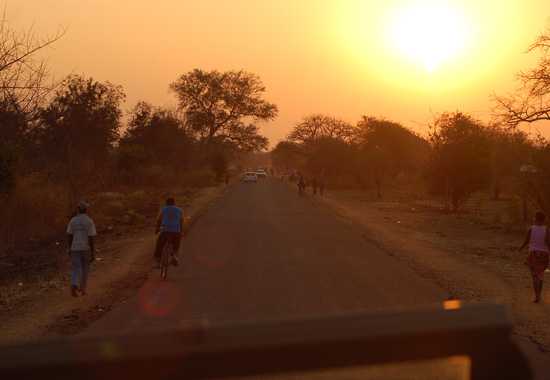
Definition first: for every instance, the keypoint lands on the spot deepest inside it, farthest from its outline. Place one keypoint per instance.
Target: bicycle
(166, 259)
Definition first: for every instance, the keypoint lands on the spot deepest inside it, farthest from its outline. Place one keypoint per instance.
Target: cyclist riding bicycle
(169, 225)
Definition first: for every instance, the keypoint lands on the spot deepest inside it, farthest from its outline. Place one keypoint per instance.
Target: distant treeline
(75, 143)
(459, 156)
(78, 138)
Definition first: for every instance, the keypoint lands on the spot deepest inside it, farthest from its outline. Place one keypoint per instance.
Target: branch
(30, 52)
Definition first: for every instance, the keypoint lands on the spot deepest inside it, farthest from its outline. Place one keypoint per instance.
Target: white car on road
(250, 177)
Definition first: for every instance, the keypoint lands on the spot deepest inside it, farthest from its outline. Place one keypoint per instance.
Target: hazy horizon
(334, 57)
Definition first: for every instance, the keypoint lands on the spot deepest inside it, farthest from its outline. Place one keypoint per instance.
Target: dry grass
(37, 211)
(34, 218)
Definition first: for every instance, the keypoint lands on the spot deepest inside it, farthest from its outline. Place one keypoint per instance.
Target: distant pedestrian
(301, 185)
(81, 232)
(322, 185)
(538, 240)
(314, 185)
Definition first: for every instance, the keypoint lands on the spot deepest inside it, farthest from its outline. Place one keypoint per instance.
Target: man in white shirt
(81, 231)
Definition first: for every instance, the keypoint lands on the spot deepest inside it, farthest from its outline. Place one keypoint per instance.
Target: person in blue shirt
(169, 227)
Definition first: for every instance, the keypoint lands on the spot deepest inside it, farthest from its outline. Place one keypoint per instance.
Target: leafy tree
(460, 159)
(130, 158)
(225, 106)
(536, 181)
(387, 149)
(16, 142)
(219, 164)
(510, 149)
(8, 161)
(23, 87)
(330, 157)
(79, 128)
(14, 123)
(319, 126)
(287, 156)
(161, 134)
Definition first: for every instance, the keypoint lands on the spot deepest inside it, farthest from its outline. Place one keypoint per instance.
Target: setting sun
(275, 188)
(429, 35)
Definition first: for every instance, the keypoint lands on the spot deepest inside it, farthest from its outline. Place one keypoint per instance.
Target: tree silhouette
(532, 101)
(287, 156)
(79, 128)
(224, 106)
(460, 159)
(387, 149)
(23, 88)
(318, 126)
(23, 76)
(155, 136)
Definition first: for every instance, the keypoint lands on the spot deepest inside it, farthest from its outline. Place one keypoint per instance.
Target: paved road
(261, 252)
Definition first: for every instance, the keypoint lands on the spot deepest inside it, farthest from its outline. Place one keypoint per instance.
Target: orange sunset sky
(405, 60)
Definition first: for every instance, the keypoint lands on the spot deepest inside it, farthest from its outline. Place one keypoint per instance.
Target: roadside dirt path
(123, 264)
(471, 261)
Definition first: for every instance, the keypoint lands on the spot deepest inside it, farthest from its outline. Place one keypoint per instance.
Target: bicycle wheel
(165, 261)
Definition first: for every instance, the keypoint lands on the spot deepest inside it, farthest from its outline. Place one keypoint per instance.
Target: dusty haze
(314, 56)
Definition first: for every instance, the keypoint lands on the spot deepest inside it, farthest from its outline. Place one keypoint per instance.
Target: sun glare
(429, 35)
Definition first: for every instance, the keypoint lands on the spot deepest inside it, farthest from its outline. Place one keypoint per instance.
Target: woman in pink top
(538, 240)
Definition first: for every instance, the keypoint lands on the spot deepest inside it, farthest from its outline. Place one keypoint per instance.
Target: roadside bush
(8, 160)
(198, 178)
(460, 159)
(137, 199)
(37, 210)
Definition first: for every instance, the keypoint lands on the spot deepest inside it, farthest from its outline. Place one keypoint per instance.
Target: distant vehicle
(250, 177)
(261, 174)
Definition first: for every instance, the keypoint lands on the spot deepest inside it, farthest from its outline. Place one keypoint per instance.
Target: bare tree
(23, 87)
(532, 102)
(23, 75)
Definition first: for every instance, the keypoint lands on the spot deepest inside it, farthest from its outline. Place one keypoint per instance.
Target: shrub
(8, 160)
(36, 210)
(198, 178)
(460, 158)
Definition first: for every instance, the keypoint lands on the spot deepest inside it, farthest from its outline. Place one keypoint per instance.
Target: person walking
(80, 233)
(301, 185)
(314, 185)
(322, 184)
(537, 260)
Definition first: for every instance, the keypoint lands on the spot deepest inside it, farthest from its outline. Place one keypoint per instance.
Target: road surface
(262, 252)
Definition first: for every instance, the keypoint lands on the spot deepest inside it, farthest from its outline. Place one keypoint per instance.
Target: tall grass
(36, 210)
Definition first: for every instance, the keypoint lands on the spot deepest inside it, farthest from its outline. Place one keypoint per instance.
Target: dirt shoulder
(123, 264)
(473, 260)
